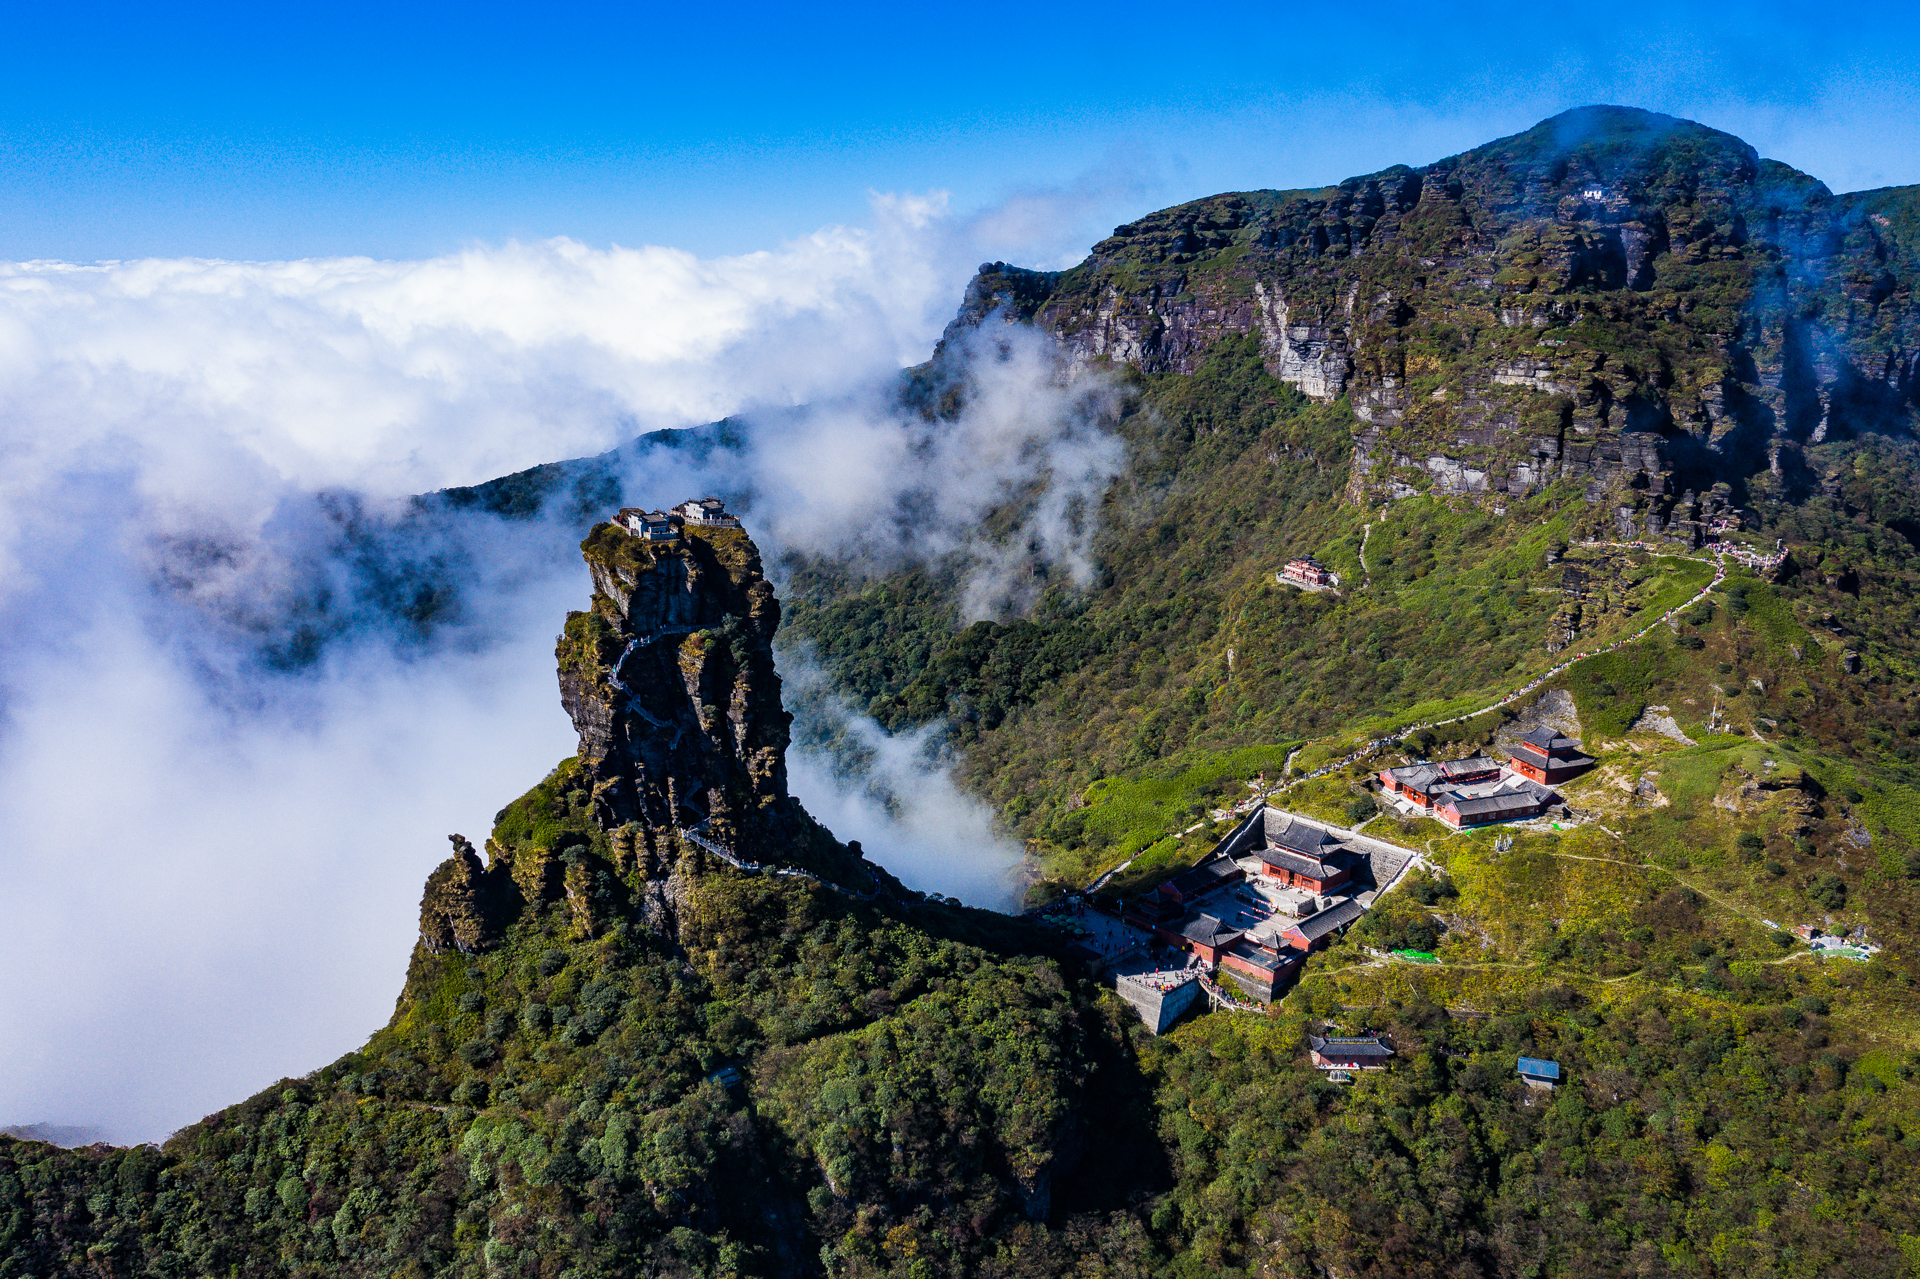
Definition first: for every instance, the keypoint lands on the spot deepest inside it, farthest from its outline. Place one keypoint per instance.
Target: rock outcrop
(670, 682)
(465, 906)
(669, 679)
(1622, 298)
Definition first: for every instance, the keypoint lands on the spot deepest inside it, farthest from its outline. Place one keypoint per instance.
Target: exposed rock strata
(464, 907)
(1614, 296)
(669, 680)
(1553, 709)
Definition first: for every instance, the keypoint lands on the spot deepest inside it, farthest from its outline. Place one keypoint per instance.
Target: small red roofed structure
(1362, 1052)
(1548, 758)
(1313, 574)
(1258, 969)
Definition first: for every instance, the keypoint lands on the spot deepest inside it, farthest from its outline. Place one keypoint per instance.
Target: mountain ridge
(1710, 313)
(626, 1045)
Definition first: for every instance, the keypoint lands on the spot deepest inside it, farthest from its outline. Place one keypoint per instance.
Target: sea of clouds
(215, 837)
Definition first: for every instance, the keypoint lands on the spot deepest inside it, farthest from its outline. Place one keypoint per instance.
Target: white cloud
(201, 902)
(212, 864)
(861, 477)
(901, 801)
(396, 377)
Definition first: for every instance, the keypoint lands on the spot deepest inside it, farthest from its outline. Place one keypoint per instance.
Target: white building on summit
(708, 511)
(665, 526)
(652, 526)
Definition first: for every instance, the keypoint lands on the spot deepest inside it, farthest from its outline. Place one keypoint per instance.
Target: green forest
(617, 1053)
(798, 1081)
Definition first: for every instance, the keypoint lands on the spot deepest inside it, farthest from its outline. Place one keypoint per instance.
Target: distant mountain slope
(1614, 325)
(582, 489)
(618, 1054)
(1626, 298)
(54, 1134)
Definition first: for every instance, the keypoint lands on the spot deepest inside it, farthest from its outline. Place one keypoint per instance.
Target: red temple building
(1161, 911)
(1304, 870)
(1520, 799)
(1365, 1052)
(1300, 855)
(1423, 784)
(1308, 571)
(1317, 930)
(1296, 853)
(1258, 969)
(1202, 935)
(1209, 876)
(1260, 902)
(1548, 758)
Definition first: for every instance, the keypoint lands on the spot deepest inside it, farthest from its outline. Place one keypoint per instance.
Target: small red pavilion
(1548, 758)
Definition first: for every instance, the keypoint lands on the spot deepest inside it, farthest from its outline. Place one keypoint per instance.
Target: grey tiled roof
(1362, 1046)
(1205, 877)
(1284, 832)
(1418, 776)
(1488, 805)
(1206, 930)
(1248, 953)
(1547, 740)
(1315, 867)
(1314, 927)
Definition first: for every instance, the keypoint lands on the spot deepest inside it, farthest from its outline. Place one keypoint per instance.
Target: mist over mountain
(1605, 429)
(210, 543)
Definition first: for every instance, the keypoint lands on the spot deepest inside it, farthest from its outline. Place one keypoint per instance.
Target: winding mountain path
(1721, 552)
(1366, 531)
(1719, 575)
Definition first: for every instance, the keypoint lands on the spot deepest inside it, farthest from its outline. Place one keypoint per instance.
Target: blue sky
(281, 131)
(167, 404)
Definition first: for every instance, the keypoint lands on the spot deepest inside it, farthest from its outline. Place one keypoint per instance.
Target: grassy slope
(540, 1109)
(1187, 649)
(1651, 916)
(1736, 1106)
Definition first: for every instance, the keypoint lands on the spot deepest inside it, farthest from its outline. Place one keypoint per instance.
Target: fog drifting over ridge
(214, 851)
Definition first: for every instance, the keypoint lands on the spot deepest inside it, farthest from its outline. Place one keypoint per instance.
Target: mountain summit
(670, 682)
(1418, 471)
(1613, 294)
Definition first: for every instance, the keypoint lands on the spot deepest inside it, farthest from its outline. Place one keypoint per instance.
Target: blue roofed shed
(1538, 1073)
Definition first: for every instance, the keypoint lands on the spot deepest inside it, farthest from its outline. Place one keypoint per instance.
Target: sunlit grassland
(1141, 817)
(1547, 883)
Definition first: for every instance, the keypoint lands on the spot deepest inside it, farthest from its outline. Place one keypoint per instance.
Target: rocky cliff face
(670, 682)
(669, 679)
(464, 908)
(1617, 297)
